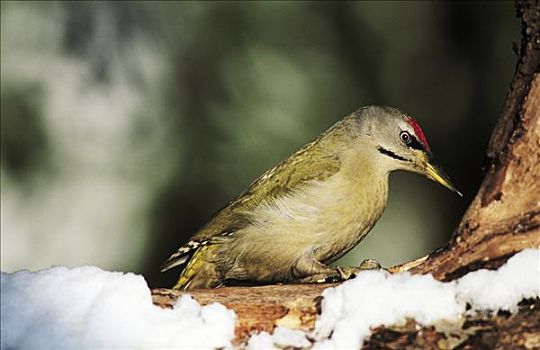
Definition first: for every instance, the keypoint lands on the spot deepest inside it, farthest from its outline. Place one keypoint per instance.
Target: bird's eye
(405, 137)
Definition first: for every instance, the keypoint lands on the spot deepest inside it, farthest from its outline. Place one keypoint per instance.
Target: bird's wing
(309, 163)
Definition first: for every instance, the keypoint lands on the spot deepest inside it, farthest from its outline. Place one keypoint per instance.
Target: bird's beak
(434, 171)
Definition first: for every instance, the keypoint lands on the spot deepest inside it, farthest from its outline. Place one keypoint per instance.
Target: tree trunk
(503, 218)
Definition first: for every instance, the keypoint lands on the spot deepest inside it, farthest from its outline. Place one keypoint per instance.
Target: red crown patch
(418, 131)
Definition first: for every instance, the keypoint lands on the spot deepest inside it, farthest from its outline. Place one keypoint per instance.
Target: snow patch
(375, 298)
(281, 338)
(87, 307)
(504, 288)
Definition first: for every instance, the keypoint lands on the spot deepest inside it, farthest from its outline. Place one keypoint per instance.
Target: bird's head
(398, 143)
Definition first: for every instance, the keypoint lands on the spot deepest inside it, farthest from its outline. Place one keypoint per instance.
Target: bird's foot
(370, 264)
(332, 274)
(347, 273)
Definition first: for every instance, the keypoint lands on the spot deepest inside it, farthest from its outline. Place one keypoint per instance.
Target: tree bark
(503, 218)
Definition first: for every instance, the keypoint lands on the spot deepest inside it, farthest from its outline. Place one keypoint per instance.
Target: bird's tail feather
(199, 273)
(182, 255)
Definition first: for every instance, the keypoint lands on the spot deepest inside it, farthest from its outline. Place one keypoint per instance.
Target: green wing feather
(311, 162)
(290, 174)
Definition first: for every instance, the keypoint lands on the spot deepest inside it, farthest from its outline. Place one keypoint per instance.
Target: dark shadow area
(23, 140)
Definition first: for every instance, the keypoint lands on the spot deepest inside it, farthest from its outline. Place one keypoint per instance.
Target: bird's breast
(326, 218)
(345, 220)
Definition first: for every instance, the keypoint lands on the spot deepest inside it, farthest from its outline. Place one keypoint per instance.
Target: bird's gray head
(397, 142)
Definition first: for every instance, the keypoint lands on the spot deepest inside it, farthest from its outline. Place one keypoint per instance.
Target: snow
(281, 338)
(376, 298)
(502, 289)
(263, 341)
(87, 308)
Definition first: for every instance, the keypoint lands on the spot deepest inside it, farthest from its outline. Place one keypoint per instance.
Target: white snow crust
(282, 337)
(375, 298)
(87, 307)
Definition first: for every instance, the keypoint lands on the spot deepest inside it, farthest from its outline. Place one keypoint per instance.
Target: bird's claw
(347, 273)
(344, 273)
(332, 279)
(370, 264)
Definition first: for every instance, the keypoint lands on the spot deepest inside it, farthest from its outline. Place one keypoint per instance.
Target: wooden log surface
(259, 308)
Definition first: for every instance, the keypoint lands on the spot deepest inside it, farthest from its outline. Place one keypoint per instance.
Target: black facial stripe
(391, 154)
(416, 144)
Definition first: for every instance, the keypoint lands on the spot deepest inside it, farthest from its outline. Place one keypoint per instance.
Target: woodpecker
(310, 209)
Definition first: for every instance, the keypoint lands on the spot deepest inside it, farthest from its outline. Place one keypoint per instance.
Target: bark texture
(503, 219)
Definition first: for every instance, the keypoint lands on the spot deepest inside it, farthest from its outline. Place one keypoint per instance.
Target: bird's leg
(315, 272)
(366, 264)
(309, 270)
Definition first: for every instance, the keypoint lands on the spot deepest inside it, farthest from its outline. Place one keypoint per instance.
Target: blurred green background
(125, 125)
